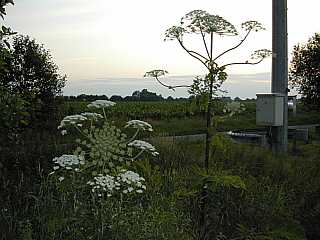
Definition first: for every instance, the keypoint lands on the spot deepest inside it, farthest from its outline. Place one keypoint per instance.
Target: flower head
(103, 183)
(101, 104)
(126, 182)
(67, 161)
(72, 120)
(261, 53)
(91, 115)
(143, 146)
(139, 125)
(131, 182)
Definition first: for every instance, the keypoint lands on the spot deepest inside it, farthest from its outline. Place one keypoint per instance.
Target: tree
(12, 106)
(5, 32)
(116, 98)
(145, 95)
(305, 71)
(30, 70)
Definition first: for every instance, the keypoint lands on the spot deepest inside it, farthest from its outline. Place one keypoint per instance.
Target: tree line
(143, 95)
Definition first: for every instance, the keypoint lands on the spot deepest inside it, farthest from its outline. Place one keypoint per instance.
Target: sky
(121, 40)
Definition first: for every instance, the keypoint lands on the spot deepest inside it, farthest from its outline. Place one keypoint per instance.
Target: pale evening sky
(99, 39)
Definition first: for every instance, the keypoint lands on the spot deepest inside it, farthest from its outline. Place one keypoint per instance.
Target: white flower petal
(139, 125)
(101, 104)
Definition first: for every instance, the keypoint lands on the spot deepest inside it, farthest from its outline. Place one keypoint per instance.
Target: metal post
(280, 70)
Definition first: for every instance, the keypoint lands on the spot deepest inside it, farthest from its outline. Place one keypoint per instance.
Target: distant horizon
(238, 85)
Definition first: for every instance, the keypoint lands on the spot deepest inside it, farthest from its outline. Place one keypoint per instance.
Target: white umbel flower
(130, 177)
(72, 120)
(101, 104)
(103, 183)
(126, 182)
(91, 115)
(143, 146)
(67, 161)
(139, 125)
(132, 181)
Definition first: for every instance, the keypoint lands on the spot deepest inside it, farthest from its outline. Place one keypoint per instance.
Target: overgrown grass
(252, 194)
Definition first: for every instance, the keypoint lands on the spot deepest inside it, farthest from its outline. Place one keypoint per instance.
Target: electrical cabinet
(270, 109)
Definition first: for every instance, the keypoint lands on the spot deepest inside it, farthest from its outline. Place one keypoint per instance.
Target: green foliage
(5, 33)
(14, 117)
(305, 71)
(201, 86)
(157, 110)
(68, 208)
(144, 95)
(251, 194)
(30, 70)
(25, 230)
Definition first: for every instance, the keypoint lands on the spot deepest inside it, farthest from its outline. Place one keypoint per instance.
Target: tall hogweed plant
(99, 177)
(103, 154)
(208, 27)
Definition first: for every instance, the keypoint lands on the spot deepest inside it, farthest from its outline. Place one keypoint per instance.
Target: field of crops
(139, 110)
(183, 117)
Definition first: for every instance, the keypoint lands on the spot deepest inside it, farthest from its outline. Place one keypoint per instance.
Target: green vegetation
(251, 192)
(167, 116)
(305, 71)
(71, 169)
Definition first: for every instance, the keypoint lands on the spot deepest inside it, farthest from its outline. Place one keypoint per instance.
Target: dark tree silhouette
(305, 71)
(30, 70)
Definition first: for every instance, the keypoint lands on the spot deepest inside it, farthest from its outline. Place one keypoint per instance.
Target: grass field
(252, 194)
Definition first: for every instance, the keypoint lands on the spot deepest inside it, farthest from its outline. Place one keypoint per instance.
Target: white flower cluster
(133, 182)
(143, 146)
(68, 162)
(104, 184)
(72, 120)
(139, 125)
(91, 115)
(101, 104)
(127, 181)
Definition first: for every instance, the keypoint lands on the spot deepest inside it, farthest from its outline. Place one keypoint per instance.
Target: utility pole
(280, 70)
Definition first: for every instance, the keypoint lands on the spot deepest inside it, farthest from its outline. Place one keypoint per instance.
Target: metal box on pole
(270, 109)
